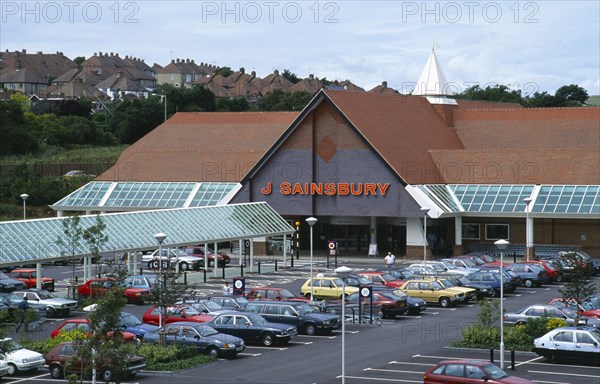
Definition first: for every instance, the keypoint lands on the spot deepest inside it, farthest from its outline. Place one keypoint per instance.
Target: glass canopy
(36, 240)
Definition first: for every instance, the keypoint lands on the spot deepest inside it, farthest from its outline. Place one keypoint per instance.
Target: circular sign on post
(365, 291)
(239, 286)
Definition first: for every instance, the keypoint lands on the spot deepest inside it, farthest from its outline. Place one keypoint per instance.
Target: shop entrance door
(351, 238)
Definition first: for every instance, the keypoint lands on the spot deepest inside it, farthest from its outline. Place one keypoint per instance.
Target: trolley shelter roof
(37, 240)
(503, 200)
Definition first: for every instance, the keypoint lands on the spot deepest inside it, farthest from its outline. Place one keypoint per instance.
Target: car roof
(277, 302)
(466, 361)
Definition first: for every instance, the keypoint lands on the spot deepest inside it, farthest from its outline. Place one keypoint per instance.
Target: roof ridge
(524, 108)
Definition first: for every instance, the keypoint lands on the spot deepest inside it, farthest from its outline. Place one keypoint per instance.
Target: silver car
(538, 310)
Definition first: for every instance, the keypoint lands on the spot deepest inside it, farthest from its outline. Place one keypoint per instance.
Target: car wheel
(56, 371)
(12, 369)
(308, 296)
(107, 374)
(444, 302)
(528, 283)
(183, 266)
(267, 339)
(492, 292)
(213, 352)
(310, 329)
(553, 357)
(211, 263)
(559, 278)
(50, 312)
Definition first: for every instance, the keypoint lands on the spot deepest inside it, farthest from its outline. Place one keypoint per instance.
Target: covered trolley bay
(44, 240)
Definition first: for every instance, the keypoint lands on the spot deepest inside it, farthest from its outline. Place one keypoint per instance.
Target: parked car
(8, 284)
(441, 267)
(204, 306)
(198, 251)
(326, 288)
(174, 257)
(55, 306)
(85, 326)
(382, 278)
(307, 319)
(531, 275)
(175, 313)
(482, 290)
(98, 287)
(237, 303)
(274, 293)
(468, 293)
(464, 262)
(253, 328)
(12, 300)
(78, 173)
(132, 324)
(354, 280)
(545, 310)
(200, 336)
(491, 278)
(553, 272)
(402, 274)
(4, 367)
(392, 305)
(578, 343)
(512, 278)
(142, 282)
(415, 305)
(584, 309)
(57, 358)
(469, 371)
(20, 359)
(29, 277)
(432, 292)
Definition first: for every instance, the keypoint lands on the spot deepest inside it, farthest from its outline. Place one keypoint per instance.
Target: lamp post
(425, 210)
(24, 196)
(343, 273)
(160, 237)
(311, 221)
(164, 99)
(501, 244)
(528, 234)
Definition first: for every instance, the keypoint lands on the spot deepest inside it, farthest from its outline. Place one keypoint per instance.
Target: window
(583, 337)
(496, 232)
(412, 286)
(454, 370)
(535, 311)
(271, 295)
(272, 310)
(565, 336)
(188, 332)
(470, 231)
(288, 311)
(474, 372)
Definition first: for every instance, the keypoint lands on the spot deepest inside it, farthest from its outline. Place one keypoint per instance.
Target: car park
(432, 292)
(20, 359)
(198, 251)
(204, 306)
(512, 278)
(584, 309)
(8, 284)
(570, 343)
(237, 303)
(468, 294)
(55, 306)
(306, 319)
(545, 310)
(402, 274)
(12, 300)
(57, 359)
(325, 288)
(441, 267)
(29, 277)
(531, 275)
(469, 371)
(202, 337)
(553, 272)
(171, 258)
(355, 280)
(492, 279)
(464, 262)
(174, 313)
(274, 293)
(253, 328)
(98, 287)
(382, 278)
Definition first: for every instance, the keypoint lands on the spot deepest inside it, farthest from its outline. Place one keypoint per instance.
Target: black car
(482, 290)
(8, 284)
(307, 319)
(238, 303)
(253, 328)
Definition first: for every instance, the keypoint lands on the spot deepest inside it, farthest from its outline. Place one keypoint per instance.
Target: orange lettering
(370, 188)
(268, 189)
(383, 188)
(330, 189)
(285, 189)
(316, 189)
(343, 189)
(297, 189)
(356, 189)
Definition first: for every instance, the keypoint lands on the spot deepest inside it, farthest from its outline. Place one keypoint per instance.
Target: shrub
(475, 336)
(555, 323)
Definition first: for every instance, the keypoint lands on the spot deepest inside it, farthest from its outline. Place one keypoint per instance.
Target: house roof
(201, 146)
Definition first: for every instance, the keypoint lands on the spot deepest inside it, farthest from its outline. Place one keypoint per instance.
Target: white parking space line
(373, 379)
(318, 336)
(529, 361)
(249, 354)
(562, 373)
(550, 382)
(407, 363)
(269, 348)
(301, 342)
(392, 370)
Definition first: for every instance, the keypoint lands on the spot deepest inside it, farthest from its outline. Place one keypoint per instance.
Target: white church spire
(432, 83)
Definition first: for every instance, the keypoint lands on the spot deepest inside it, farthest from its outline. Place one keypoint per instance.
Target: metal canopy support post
(285, 251)
(251, 255)
(38, 271)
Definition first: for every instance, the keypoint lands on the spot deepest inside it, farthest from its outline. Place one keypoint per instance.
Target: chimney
(311, 77)
(242, 70)
(384, 84)
(253, 73)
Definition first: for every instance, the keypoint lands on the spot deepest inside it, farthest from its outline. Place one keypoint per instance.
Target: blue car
(531, 275)
(492, 279)
(133, 324)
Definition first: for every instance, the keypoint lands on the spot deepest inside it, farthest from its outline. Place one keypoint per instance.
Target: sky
(527, 45)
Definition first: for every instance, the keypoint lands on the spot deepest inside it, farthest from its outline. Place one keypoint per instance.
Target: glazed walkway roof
(32, 241)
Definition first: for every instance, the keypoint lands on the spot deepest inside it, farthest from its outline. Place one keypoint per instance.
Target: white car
(175, 257)
(569, 343)
(55, 306)
(3, 367)
(21, 359)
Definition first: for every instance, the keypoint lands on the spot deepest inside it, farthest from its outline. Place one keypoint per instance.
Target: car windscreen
(494, 372)
(130, 320)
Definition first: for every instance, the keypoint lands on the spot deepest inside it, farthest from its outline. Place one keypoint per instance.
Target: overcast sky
(530, 45)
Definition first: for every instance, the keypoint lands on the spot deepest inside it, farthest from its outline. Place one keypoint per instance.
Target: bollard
(223, 269)
(141, 271)
(515, 257)
(512, 359)
(275, 265)
(492, 355)
(76, 279)
(259, 267)
(185, 278)
(292, 265)
(204, 275)
(242, 270)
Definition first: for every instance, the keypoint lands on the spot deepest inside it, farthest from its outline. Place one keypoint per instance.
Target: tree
(133, 119)
(16, 137)
(579, 285)
(224, 71)
(280, 100)
(499, 93)
(572, 94)
(79, 60)
(544, 100)
(289, 75)
(79, 107)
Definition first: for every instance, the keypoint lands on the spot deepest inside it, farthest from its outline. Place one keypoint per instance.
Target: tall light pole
(160, 237)
(501, 244)
(425, 210)
(164, 99)
(311, 221)
(343, 273)
(24, 196)
(528, 233)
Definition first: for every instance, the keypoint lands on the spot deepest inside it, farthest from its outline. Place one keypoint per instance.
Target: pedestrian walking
(389, 260)
(23, 307)
(227, 290)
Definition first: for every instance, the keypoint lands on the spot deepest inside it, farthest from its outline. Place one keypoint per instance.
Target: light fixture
(501, 245)
(160, 237)
(311, 221)
(24, 196)
(343, 273)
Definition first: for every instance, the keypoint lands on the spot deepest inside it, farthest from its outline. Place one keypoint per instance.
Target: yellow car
(326, 288)
(432, 292)
(469, 293)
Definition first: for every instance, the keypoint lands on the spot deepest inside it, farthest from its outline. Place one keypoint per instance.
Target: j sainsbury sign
(329, 189)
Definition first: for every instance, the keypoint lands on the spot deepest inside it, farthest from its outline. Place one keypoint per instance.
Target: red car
(274, 293)
(583, 309)
(176, 313)
(84, 325)
(198, 251)
(554, 274)
(29, 277)
(469, 371)
(382, 278)
(96, 288)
